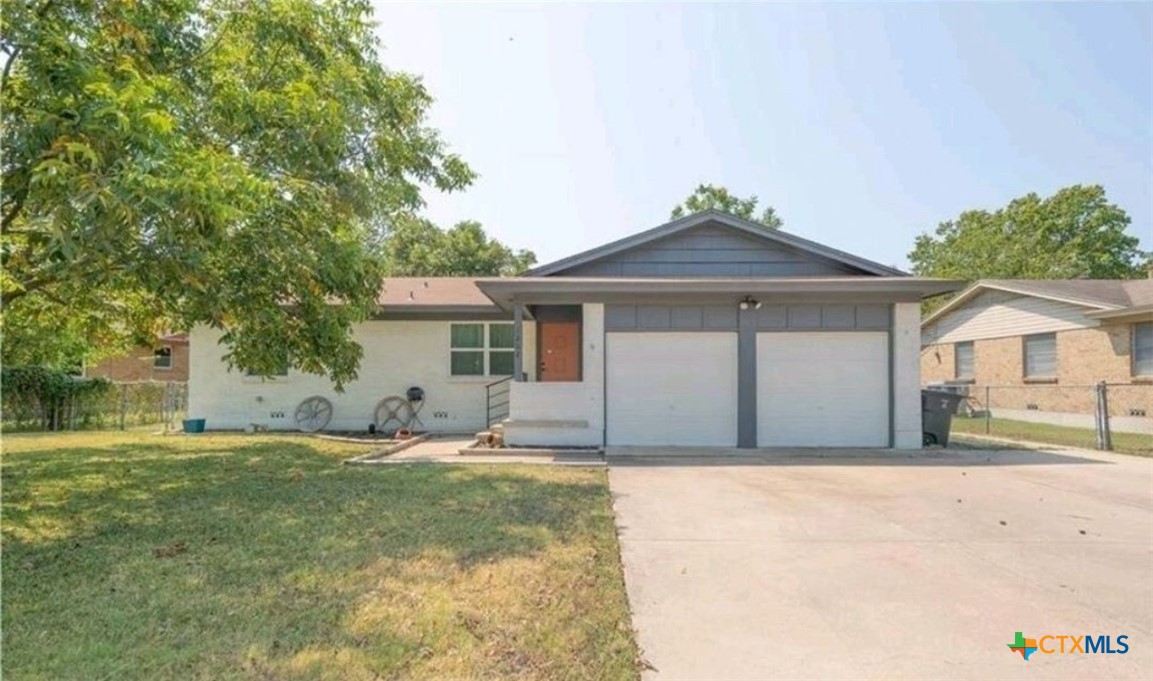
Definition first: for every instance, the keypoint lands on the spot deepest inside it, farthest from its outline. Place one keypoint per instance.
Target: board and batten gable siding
(710, 251)
(1000, 314)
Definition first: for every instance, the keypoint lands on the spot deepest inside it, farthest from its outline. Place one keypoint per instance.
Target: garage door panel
(672, 389)
(826, 389)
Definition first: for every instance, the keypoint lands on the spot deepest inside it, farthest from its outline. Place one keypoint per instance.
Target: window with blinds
(963, 360)
(1041, 355)
(1143, 349)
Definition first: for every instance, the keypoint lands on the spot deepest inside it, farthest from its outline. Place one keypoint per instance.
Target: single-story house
(166, 360)
(706, 331)
(1040, 346)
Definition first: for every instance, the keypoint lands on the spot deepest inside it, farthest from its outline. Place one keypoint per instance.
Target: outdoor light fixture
(749, 303)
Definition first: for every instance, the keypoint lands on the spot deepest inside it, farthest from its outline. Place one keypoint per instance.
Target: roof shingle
(1100, 292)
(432, 292)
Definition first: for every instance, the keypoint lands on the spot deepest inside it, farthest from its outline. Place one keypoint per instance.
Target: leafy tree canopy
(1074, 233)
(228, 162)
(417, 248)
(709, 197)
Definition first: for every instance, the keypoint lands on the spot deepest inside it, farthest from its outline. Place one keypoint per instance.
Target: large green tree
(416, 247)
(227, 162)
(710, 197)
(1076, 232)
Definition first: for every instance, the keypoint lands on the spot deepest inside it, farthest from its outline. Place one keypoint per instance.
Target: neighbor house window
(162, 358)
(963, 360)
(1143, 349)
(481, 350)
(1041, 355)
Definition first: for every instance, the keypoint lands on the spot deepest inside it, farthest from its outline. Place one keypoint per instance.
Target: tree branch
(14, 210)
(40, 13)
(8, 297)
(8, 67)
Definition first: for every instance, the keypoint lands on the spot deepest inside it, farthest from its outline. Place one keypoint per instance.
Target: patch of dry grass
(259, 556)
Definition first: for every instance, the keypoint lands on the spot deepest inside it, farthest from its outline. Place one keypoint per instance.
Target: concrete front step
(544, 452)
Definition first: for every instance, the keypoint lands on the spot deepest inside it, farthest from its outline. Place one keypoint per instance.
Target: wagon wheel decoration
(393, 409)
(313, 414)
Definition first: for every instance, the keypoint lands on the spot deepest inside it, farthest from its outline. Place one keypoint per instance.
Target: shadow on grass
(149, 554)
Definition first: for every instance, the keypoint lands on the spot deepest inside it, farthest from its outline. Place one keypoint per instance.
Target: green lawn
(135, 556)
(1129, 443)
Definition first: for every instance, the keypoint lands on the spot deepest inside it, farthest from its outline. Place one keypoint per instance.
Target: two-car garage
(822, 377)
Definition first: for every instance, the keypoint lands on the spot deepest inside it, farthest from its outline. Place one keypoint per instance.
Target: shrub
(41, 396)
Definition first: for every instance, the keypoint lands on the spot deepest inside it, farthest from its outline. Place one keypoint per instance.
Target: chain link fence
(125, 405)
(1108, 416)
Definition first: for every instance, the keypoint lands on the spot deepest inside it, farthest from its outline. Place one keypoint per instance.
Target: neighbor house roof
(1110, 297)
(713, 216)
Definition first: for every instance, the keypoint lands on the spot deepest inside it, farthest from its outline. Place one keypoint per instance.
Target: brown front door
(559, 345)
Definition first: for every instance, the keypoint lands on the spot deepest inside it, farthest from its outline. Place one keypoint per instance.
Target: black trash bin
(937, 409)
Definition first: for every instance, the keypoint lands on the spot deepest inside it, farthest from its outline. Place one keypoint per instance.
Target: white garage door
(672, 388)
(826, 389)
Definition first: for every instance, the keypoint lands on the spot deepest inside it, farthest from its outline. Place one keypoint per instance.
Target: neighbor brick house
(167, 361)
(1048, 340)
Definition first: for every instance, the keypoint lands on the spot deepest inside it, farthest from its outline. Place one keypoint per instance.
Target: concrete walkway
(847, 565)
(446, 450)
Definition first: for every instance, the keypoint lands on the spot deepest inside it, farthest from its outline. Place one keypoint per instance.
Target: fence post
(1101, 416)
(1105, 429)
(988, 410)
(123, 403)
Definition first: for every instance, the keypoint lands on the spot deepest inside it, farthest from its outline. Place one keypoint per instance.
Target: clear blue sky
(863, 125)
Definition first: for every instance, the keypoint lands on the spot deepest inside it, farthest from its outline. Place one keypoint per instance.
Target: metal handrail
(493, 390)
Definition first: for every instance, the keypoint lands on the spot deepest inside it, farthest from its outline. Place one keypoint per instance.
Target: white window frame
(972, 361)
(1025, 358)
(1136, 372)
(486, 349)
(156, 356)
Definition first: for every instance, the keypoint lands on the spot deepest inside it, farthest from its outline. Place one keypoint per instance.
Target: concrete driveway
(882, 565)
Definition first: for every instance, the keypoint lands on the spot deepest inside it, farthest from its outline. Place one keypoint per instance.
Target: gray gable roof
(1097, 292)
(837, 259)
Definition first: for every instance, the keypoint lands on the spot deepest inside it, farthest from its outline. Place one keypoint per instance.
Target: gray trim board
(716, 217)
(800, 317)
(824, 317)
(671, 317)
(518, 343)
(892, 377)
(604, 384)
(747, 379)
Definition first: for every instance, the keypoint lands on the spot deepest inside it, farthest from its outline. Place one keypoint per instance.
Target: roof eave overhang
(508, 292)
(439, 312)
